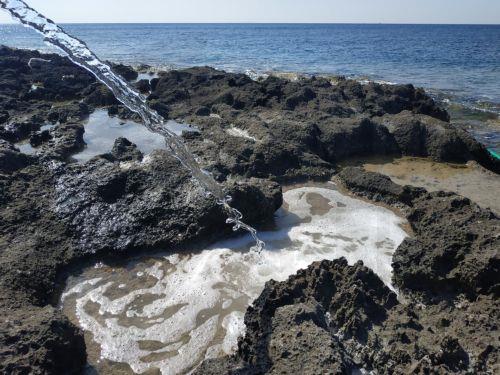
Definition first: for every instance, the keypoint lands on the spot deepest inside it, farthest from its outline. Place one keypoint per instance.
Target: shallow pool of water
(171, 311)
(101, 131)
(470, 180)
(25, 147)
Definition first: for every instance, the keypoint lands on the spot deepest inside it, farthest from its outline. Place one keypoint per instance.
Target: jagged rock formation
(332, 317)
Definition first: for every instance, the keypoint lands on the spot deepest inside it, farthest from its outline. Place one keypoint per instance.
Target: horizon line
(266, 23)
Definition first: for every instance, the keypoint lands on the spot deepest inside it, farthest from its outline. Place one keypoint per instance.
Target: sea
(459, 65)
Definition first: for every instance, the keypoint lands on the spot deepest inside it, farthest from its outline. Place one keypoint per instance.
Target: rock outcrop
(301, 129)
(332, 317)
(56, 215)
(270, 128)
(335, 318)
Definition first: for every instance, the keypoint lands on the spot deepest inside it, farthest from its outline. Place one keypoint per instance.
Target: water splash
(80, 54)
(194, 304)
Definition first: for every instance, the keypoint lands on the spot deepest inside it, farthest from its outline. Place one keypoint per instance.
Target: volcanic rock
(335, 318)
(332, 317)
(11, 159)
(143, 86)
(125, 71)
(55, 215)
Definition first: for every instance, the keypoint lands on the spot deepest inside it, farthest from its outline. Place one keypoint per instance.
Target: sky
(307, 11)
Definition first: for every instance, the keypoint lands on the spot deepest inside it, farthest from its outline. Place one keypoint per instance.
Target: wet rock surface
(11, 159)
(40, 340)
(55, 215)
(270, 128)
(335, 318)
(302, 129)
(330, 318)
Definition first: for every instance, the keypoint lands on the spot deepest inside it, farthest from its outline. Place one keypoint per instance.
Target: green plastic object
(495, 154)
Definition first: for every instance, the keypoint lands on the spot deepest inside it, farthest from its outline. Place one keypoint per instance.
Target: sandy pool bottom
(469, 180)
(167, 313)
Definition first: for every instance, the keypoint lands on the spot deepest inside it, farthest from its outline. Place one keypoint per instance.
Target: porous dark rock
(290, 325)
(16, 131)
(456, 245)
(99, 96)
(11, 159)
(377, 187)
(446, 321)
(330, 318)
(300, 342)
(150, 203)
(143, 86)
(203, 111)
(208, 86)
(4, 116)
(30, 75)
(56, 214)
(40, 340)
(123, 113)
(315, 122)
(124, 150)
(68, 112)
(296, 129)
(40, 138)
(266, 197)
(63, 141)
(344, 138)
(425, 136)
(465, 245)
(230, 151)
(127, 72)
(334, 318)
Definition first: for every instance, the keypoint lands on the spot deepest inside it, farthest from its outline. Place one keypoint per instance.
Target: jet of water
(80, 54)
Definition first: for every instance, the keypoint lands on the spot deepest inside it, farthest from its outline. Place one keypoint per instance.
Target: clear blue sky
(360, 11)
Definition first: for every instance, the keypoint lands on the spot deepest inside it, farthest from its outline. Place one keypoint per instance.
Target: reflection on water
(471, 180)
(25, 147)
(101, 131)
(172, 311)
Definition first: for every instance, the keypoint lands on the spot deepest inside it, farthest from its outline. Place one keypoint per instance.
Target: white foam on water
(240, 133)
(149, 75)
(79, 288)
(234, 327)
(256, 76)
(192, 306)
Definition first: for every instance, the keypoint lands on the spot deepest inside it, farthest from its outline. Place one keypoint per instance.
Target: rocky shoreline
(56, 213)
(335, 318)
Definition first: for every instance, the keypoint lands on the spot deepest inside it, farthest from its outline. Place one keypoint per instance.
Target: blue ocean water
(456, 63)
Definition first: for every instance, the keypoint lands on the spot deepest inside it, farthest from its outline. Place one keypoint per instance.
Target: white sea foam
(256, 76)
(364, 81)
(240, 133)
(192, 306)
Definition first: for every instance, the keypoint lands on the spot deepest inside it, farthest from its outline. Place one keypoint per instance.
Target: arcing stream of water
(80, 54)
